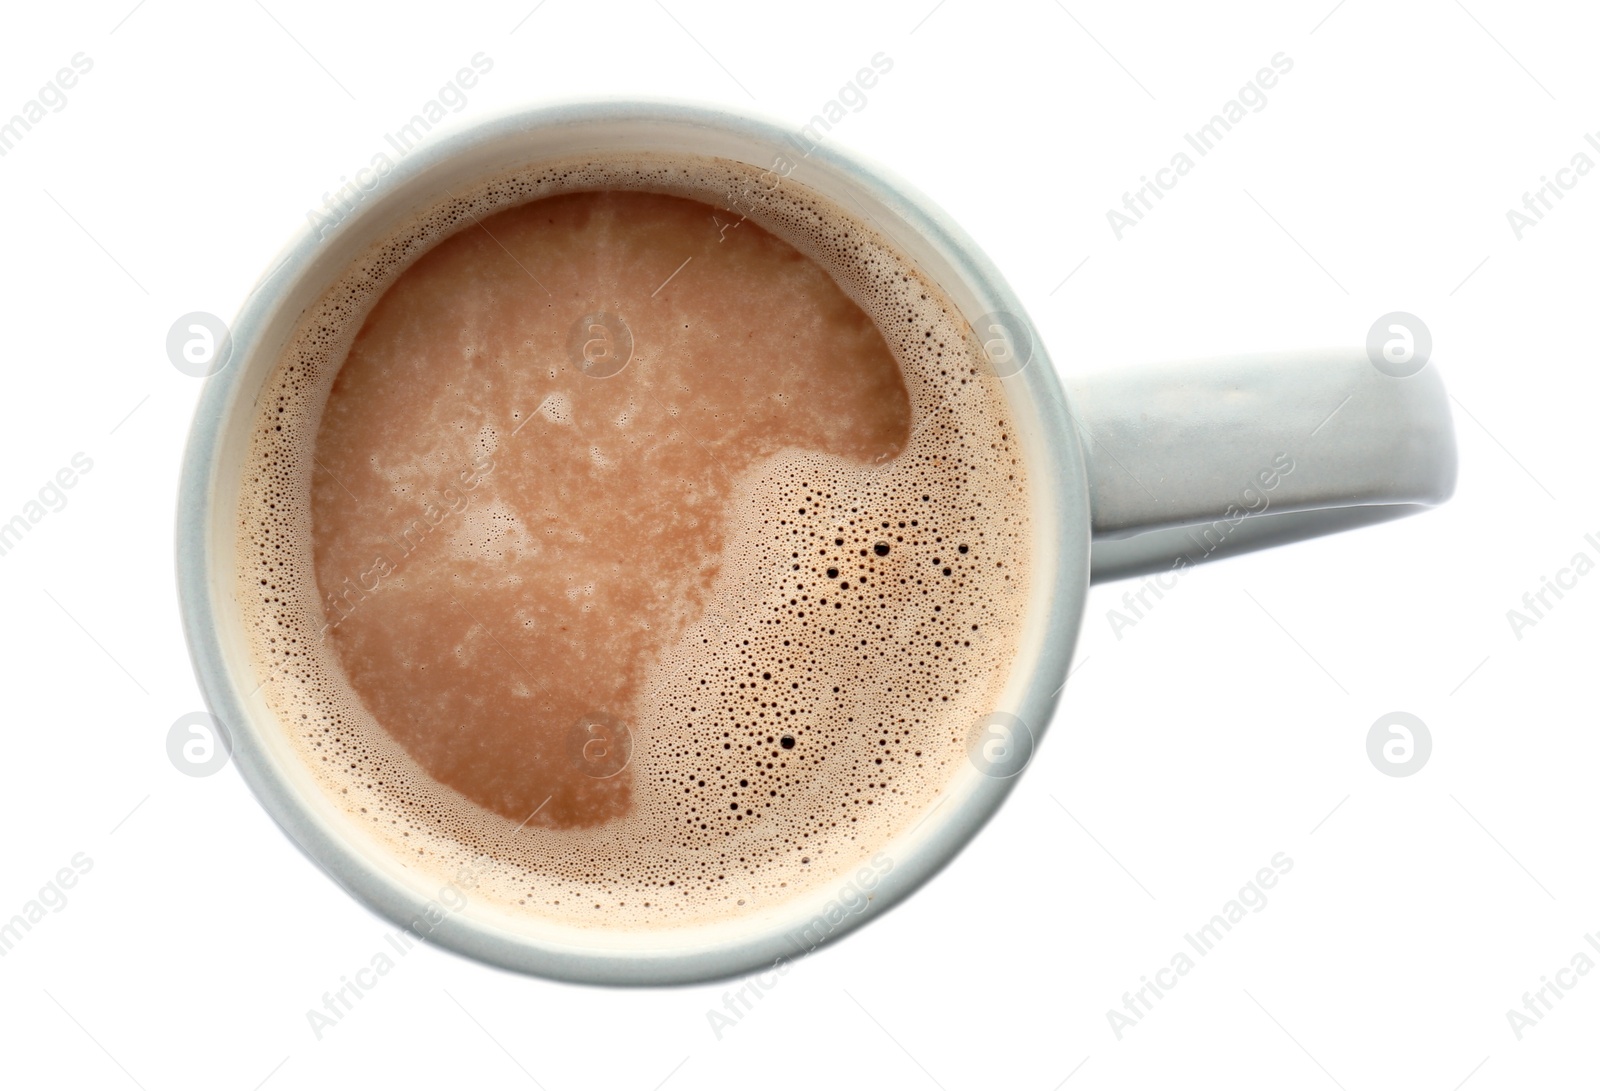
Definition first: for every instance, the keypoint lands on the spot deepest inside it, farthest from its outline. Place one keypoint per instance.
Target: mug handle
(1189, 462)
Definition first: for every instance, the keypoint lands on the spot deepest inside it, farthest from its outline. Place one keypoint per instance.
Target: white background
(1215, 733)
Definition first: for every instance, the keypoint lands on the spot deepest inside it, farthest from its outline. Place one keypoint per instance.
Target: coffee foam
(730, 813)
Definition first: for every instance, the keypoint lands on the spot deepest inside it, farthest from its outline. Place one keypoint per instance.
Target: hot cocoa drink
(644, 535)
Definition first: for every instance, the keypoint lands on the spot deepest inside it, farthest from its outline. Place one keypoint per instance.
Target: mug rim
(1057, 475)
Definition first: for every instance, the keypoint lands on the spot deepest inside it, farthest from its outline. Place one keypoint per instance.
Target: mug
(1138, 471)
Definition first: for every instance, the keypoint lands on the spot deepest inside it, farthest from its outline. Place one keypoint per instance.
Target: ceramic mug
(1146, 470)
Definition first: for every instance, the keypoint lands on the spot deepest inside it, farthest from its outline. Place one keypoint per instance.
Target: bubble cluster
(819, 699)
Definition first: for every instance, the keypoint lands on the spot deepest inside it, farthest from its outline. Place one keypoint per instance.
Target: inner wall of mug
(266, 758)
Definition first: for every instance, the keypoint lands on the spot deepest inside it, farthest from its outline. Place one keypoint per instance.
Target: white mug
(1147, 470)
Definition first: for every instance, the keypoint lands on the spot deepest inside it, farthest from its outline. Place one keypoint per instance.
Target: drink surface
(642, 537)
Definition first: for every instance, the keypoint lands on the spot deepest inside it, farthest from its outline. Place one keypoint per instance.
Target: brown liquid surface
(498, 594)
